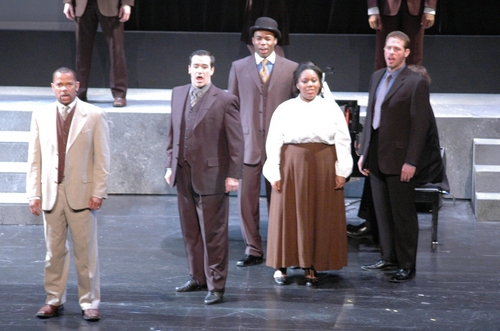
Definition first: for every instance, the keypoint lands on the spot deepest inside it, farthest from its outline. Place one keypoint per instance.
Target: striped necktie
(264, 72)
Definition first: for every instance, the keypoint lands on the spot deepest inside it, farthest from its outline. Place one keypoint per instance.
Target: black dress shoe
(312, 282)
(249, 260)
(380, 265)
(191, 285)
(213, 297)
(403, 275)
(359, 232)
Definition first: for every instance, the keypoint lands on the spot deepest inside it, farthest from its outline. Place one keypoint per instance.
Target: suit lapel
(253, 71)
(276, 73)
(397, 84)
(79, 120)
(52, 124)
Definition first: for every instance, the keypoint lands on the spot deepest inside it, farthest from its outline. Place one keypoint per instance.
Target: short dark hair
(421, 71)
(401, 36)
(63, 70)
(202, 52)
(306, 66)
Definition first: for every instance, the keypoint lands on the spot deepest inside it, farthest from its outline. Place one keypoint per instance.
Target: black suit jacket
(407, 131)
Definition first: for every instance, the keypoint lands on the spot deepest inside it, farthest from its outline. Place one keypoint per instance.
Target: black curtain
(454, 17)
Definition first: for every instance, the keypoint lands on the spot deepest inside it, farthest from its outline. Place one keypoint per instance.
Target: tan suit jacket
(106, 7)
(391, 7)
(87, 156)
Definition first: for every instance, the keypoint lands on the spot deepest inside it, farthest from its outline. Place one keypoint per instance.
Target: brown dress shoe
(48, 311)
(120, 102)
(91, 315)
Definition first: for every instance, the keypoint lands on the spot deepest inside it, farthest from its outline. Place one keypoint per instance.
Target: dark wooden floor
(142, 259)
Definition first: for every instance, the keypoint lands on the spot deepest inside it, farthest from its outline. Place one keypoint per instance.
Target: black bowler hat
(266, 24)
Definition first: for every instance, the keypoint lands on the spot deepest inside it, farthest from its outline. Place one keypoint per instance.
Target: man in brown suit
(409, 16)
(69, 161)
(111, 15)
(261, 81)
(204, 161)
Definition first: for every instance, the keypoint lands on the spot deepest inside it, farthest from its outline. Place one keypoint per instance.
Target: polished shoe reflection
(189, 286)
(249, 260)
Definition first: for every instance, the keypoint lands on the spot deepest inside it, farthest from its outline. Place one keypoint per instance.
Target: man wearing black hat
(261, 81)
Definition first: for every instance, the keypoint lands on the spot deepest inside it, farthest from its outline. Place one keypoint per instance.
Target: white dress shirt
(296, 122)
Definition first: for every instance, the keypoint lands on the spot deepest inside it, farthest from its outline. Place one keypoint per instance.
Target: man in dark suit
(204, 161)
(396, 130)
(111, 15)
(410, 16)
(261, 82)
(68, 168)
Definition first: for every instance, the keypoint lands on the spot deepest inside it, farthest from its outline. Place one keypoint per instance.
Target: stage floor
(142, 259)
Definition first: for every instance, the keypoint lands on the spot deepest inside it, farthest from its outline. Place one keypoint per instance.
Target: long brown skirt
(307, 222)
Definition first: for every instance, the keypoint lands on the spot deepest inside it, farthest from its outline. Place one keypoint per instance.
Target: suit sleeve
(33, 186)
(420, 109)
(234, 134)
(102, 158)
(232, 85)
(170, 139)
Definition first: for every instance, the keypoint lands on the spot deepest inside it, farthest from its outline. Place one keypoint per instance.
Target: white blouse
(318, 121)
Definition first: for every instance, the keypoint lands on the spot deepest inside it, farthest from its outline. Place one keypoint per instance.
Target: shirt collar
(395, 73)
(204, 89)
(70, 105)
(271, 58)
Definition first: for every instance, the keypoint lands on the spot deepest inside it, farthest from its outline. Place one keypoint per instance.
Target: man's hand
(428, 20)
(168, 176)
(69, 11)
(407, 172)
(231, 184)
(364, 172)
(95, 203)
(375, 22)
(124, 13)
(35, 206)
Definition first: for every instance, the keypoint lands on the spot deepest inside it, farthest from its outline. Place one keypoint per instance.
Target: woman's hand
(339, 182)
(277, 186)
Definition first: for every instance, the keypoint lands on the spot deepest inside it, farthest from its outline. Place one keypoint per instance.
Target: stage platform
(138, 135)
(142, 259)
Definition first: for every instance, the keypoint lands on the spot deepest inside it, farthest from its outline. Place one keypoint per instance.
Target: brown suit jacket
(106, 7)
(256, 105)
(391, 7)
(217, 150)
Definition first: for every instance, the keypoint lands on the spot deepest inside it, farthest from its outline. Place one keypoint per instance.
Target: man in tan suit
(68, 168)
(111, 15)
(261, 81)
(410, 16)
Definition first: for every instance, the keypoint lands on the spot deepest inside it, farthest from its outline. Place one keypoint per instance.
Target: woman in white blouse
(308, 160)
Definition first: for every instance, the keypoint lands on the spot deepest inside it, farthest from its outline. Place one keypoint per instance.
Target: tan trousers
(83, 228)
